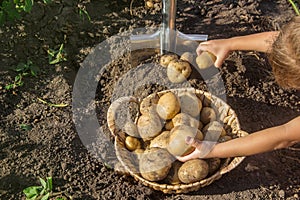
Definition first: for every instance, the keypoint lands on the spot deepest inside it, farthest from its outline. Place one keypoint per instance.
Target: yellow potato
(149, 125)
(169, 125)
(166, 59)
(177, 145)
(205, 60)
(187, 56)
(207, 114)
(132, 143)
(155, 164)
(190, 104)
(178, 71)
(193, 171)
(149, 103)
(161, 140)
(168, 106)
(185, 119)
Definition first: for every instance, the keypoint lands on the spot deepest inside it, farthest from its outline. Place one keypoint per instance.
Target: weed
(57, 56)
(23, 69)
(44, 191)
(25, 127)
(10, 9)
(51, 104)
(83, 12)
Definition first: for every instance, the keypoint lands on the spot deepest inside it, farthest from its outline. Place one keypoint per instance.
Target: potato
(185, 119)
(149, 125)
(187, 56)
(172, 177)
(190, 103)
(193, 170)
(149, 103)
(161, 140)
(177, 145)
(131, 129)
(213, 131)
(155, 164)
(205, 60)
(178, 71)
(168, 106)
(207, 114)
(132, 143)
(213, 164)
(166, 59)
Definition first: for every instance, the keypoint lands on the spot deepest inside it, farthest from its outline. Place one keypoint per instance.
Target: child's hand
(202, 149)
(220, 48)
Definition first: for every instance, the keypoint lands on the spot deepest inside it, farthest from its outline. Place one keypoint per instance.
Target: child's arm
(221, 48)
(262, 141)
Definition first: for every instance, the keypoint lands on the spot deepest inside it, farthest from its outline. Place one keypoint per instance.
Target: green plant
(44, 191)
(25, 127)
(52, 104)
(56, 56)
(295, 7)
(11, 9)
(83, 12)
(23, 69)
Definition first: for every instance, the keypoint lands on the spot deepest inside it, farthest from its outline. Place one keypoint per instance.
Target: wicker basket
(129, 160)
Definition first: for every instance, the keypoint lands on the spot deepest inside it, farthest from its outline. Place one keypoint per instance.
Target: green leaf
(46, 196)
(8, 87)
(49, 183)
(32, 192)
(25, 127)
(28, 5)
(43, 183)
(46, 1)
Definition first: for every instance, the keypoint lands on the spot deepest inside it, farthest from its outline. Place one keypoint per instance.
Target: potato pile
(160, 132)
(179, 69)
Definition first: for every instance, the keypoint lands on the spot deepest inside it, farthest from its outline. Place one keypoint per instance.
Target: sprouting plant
(295, 7)
(83, 13)
(11, 9)
(25, 127)
(44, 191)
(23, 69)
(56, 56)
(39, 192)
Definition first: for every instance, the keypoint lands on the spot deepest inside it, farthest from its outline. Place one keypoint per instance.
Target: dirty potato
(185, 119)
(207, 114)
(149, 125)
(205, 60)
(161, 140)
(178, 71)
(155, 164)
(193, 170)
(190, 103)
(149, 103)
(131, 129)
(177, 145)
(187, 56)
(167, 58)
(169, 125)
(168, 106)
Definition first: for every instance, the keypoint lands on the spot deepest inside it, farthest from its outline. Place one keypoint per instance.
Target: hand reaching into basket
(261, 141)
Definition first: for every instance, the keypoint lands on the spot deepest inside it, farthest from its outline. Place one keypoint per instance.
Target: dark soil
(54, 146)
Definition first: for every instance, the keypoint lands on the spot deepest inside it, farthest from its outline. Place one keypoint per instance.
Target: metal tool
(167, 38)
